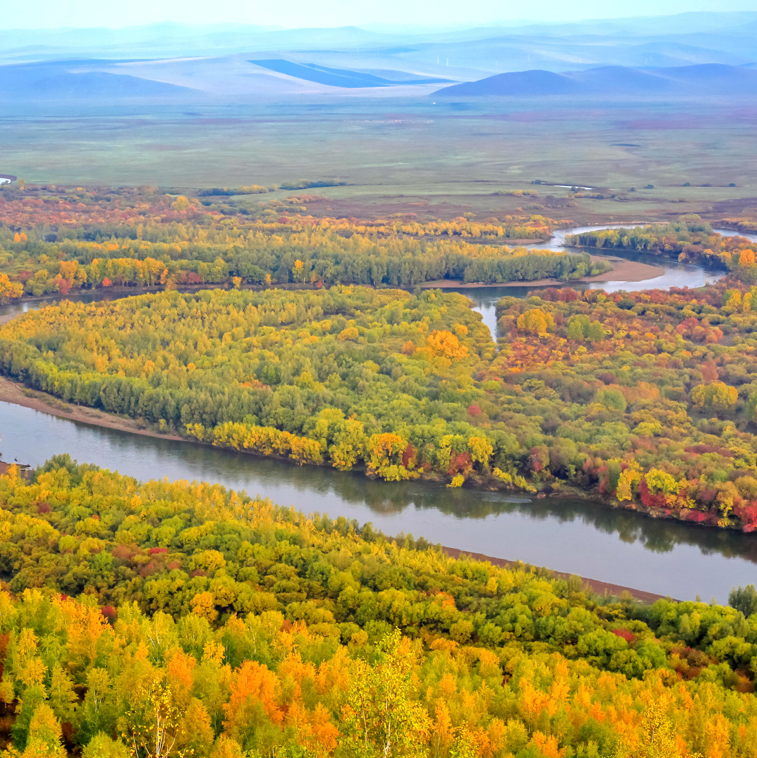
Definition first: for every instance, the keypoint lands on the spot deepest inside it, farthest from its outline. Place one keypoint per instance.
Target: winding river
(575, 536)
(674, 274)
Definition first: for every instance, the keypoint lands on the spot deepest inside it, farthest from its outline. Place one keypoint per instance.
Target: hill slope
(63, 80)
(613, 81)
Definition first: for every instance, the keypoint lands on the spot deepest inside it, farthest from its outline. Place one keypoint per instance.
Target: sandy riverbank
(623, 270)
(11, 392)
(601, 588)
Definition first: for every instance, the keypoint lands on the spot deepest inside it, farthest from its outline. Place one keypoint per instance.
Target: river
(675, 274)
(575, 536)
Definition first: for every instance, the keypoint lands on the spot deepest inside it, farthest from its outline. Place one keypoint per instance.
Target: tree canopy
(166, 619)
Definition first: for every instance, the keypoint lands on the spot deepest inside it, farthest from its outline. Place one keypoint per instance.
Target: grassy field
(398, 154)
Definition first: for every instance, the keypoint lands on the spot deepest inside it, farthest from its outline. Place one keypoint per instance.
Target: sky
(35, 14)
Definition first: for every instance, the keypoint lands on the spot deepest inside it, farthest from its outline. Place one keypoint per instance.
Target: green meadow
(408, 155)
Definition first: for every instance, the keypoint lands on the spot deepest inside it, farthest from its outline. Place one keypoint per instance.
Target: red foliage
(109, 612)
(642, 443)
(408, 456)
(189, 277)
(624, 634)
(107, 282)
(461, 463)
(702, 449)
(567, 295)
(699, 517)
(43, 508)
(148, 570)
(747, 513)
(648, 499)
(158, 550)
(538, 461)
(474, 410)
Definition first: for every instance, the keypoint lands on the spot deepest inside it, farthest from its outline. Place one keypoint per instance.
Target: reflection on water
(569, 535)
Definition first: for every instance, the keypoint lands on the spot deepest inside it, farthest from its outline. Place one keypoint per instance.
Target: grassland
(400, 156)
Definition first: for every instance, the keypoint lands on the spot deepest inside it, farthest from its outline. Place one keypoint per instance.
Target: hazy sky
(29, 14)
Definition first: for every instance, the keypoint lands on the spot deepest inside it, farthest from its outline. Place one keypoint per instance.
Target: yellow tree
(656, 737)
(44, 735)
(535, 321)
(714, 395)
(152, 725)
(381, 717)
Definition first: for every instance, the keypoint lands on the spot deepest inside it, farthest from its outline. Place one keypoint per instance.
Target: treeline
(314, 258)
(196, 619)
(252, 189)
(689, 239)
(649, 398)
(258, 189)
(54, 244)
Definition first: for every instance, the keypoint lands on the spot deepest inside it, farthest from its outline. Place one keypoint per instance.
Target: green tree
(744, 599)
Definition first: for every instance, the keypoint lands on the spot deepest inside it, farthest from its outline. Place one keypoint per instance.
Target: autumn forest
(157, 618)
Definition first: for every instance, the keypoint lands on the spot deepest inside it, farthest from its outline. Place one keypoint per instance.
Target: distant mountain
(614, 81)
(242, 63)
(59, 81)
(516, 84)
(452, 53)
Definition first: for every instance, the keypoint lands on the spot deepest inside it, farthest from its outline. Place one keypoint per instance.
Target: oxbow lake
(570, 535)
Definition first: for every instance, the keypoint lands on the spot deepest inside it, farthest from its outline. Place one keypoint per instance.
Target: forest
(160, 619)
(690, 239)
(60, 242)
(178, 619)
(648, 399)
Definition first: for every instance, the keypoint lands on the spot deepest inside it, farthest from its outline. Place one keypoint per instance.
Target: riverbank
(601, 588)
(16, 394)
(623, 270)
(12, 392)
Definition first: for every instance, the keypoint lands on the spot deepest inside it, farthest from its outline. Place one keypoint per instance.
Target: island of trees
(690, 239)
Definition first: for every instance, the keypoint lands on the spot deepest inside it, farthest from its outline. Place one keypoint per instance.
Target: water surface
(575, 536)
